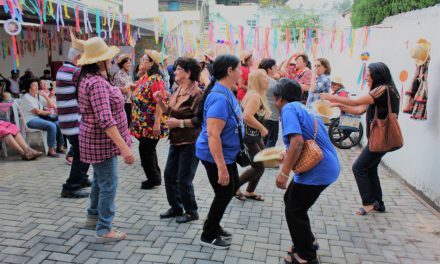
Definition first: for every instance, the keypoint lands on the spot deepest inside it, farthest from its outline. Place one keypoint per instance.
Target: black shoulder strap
(239, 127)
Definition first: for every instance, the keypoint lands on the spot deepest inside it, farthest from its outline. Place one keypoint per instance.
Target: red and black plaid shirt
(101, 106)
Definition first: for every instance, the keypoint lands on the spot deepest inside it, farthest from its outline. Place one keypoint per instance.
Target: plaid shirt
(101, 106)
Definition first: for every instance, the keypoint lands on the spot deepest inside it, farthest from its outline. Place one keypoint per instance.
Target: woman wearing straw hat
(338, 88)
(381, 83)
(148, 122)
(103, 135)
(122, 79)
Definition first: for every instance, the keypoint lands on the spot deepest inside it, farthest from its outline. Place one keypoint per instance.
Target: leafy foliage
(372, 12)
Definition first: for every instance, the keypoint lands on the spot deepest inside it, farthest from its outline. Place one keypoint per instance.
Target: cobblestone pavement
(37, 226)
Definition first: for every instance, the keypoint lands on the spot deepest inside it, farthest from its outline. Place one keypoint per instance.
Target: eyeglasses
(318, 65)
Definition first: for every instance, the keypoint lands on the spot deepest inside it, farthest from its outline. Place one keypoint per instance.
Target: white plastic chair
(26, 131)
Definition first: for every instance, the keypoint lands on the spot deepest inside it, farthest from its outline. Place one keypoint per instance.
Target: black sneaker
(187, 218)
(148, 185)
(224, 234)
(217, 243)
(86, 183)
(74, 194)
(171, 213)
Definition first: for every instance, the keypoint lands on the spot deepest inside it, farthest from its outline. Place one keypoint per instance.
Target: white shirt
(28, 102)
(15, 87)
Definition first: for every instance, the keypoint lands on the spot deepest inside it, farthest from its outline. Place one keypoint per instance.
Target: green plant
(372, 12)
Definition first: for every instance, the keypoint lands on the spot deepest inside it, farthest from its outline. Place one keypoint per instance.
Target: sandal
(291, 249)
(290, 259)
(240, 196)
(117, 236)
(255, 197)
(362, 211)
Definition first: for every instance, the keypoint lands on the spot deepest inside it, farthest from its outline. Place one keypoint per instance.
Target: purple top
(101, 106)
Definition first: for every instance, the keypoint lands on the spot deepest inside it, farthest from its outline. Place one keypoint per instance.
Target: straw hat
(420, 52)
(154, 55)
(270, 156)
(326, 111)
(77, 44)
(122, 57)
(96, 50)
(209, 53)
(200, 57)
(338, 80)
(245, 55)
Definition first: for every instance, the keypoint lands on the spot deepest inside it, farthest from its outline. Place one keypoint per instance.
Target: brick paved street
(37, 226)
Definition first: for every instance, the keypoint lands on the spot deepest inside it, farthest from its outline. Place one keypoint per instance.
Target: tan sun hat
(338, 80)
(245, 55)
(122, 57)
(420, 52)
(96, 50)
(154, 55)
(209, 53)
(270, 156)
(325, 110)
(77, 44)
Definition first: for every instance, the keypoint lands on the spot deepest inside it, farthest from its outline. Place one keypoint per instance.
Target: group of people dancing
(201, 113)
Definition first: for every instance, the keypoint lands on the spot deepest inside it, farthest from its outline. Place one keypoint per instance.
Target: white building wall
(418, 161)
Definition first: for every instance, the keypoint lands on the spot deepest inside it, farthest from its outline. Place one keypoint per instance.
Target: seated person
(35, 105)
(44, 90)
(10, 134)
(337, 87)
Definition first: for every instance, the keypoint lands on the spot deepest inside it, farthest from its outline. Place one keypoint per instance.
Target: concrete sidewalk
(37, 226)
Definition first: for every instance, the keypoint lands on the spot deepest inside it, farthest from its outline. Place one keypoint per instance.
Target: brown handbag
(311, 153)
(385, 134)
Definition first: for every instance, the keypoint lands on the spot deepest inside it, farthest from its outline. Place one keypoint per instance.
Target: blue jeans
(102, 194)
(179, 174)
(54, 136)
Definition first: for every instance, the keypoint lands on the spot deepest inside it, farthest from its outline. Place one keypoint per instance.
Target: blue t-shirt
(298, 119)
(217, 106)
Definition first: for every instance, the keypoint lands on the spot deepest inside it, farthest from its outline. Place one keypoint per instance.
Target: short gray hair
(73, 53)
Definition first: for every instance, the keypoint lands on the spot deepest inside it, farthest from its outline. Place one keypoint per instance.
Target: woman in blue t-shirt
(218, 145)
(297, 123)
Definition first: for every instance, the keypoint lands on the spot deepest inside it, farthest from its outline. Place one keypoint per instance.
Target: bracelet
(284, 175)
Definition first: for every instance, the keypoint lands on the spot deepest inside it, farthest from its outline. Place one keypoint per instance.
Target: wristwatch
(182, 124)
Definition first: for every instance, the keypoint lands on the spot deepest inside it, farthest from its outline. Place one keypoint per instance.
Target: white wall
(418, 162)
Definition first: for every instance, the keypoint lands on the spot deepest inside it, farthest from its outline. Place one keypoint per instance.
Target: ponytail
(206, 91)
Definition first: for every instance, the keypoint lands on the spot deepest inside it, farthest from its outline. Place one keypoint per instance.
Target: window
(252, 23)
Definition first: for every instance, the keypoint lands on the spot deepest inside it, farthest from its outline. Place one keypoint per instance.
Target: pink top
(101, 106)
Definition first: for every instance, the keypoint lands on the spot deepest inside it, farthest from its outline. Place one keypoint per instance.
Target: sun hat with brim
(154, 55)
(245, 55)
(338, 80)
(209, 53)
(270, 156)
(420, 52)
(123, 57)
(95, 50)
(326, 111)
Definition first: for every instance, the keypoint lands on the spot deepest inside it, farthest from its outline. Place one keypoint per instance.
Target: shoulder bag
(311, 153)
(385, 134)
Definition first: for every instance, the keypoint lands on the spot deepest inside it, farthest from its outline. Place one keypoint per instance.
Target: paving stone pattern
(37, 226)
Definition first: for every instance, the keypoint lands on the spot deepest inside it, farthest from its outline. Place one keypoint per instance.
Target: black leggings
(223, 195)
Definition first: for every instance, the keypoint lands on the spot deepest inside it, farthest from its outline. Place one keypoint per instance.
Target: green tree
(298, 19)
(372, 12)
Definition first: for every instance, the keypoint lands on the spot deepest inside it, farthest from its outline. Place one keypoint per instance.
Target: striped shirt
(68, 111)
